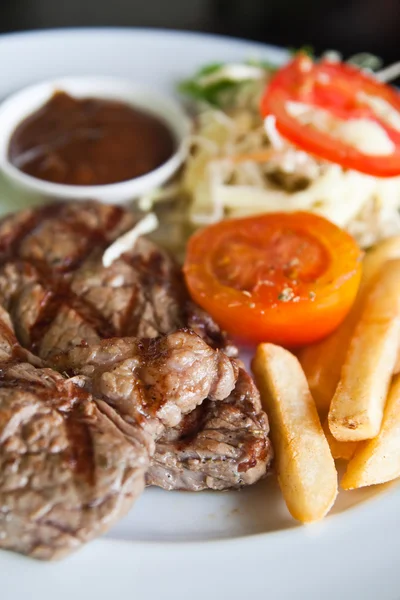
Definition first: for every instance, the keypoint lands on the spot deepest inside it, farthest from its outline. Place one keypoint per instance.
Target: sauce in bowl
(89, 141)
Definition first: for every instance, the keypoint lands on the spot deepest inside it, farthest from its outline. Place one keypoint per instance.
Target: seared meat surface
(168, 376)
(107, 374)
(219, 445)
(59, 294)
(72, 461)
(67, 471)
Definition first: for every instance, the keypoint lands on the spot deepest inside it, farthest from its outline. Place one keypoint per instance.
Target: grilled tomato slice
(287, 278)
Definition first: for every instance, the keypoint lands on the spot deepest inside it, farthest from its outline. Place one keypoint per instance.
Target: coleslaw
(240, 165)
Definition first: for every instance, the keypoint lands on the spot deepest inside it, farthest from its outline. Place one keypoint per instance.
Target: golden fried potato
(339, 450)
(322, 362)
(305, 467)
(397, 365)
(378, 460)
(357, 407)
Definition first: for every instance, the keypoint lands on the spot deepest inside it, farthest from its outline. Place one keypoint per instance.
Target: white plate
(208, 545)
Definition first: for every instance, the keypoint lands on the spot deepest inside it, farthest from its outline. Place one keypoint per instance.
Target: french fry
(305, 467)
(378, 460)
(396, 370)
(357, 407)
(322, 362)
(339, 450)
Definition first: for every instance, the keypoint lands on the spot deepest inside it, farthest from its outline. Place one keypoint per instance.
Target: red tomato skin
(299, 80)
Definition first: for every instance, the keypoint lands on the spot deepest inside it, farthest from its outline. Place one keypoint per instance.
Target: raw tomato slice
(346, 93)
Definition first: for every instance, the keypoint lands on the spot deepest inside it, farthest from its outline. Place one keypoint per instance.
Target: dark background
(347, 25)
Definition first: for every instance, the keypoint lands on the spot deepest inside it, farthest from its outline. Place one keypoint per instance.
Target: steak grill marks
(219, 445)
(59, 248)
(72, 402)
(150, 273)
(59, 293)
(72, 461)
(75, 448)
(56, 278)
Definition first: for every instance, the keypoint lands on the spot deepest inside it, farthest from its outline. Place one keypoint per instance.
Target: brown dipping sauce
(89, 142)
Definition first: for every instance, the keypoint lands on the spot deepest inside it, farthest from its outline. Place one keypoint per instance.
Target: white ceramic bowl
(23, 103)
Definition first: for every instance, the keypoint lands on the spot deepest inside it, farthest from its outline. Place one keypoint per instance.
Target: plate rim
(95, 30)
(384, 504)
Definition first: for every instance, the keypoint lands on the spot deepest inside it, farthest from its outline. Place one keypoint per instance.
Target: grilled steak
(219, 445)
(59, 294)
(163, 377)
(106, 368)
(71, 461)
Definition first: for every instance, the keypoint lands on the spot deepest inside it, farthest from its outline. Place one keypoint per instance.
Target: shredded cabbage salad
(239, 164)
